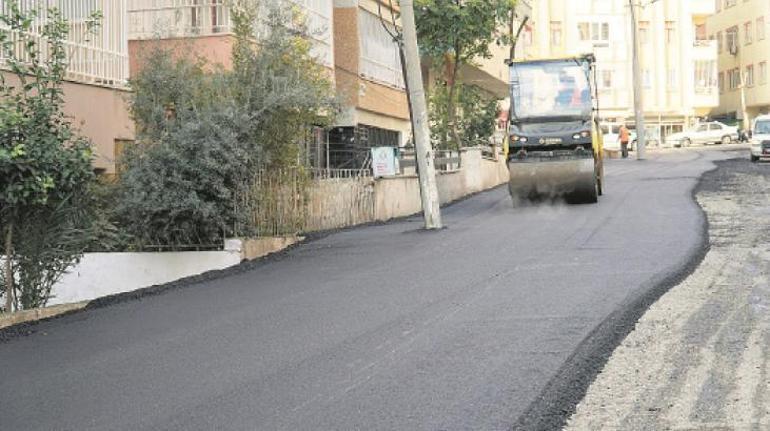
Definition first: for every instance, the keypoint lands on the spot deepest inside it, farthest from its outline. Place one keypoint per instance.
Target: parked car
(712, 132)
(760, 138)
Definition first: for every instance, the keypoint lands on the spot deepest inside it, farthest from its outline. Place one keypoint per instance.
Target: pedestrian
(623, 137)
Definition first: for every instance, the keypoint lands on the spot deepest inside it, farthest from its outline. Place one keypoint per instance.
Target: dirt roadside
(699, 358)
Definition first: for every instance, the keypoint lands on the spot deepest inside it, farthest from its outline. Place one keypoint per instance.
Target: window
(715, 126)
(763, 73)
(719, 42)
(719, 5)
(606, 79)
(380, 60)
(700, 31)
(761, 28)
(731, 39)
(734, 78)
(672, 81)
(747, 33)
(644, 26)
(600, 31)
(647, 78)
(584, 31)
(730, 3)
(671, 32)
(528, 35)
(750, 75)
(595, 31)
(702, 128)
(705, 76)
(721, 82)
(555, 33)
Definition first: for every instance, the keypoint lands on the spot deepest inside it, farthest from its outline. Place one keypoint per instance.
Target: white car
(712, 132)
(760, 138)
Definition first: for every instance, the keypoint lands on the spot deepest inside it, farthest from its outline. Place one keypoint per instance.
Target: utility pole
(743, 74)
(638, 103)
(422, 146)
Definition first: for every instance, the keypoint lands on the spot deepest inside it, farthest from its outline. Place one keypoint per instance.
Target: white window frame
(556, 33)
(379, 56)
(747, 33)
(672, 81)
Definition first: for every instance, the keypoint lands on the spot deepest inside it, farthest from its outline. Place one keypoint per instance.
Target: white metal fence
(149, 19)
(98, 58)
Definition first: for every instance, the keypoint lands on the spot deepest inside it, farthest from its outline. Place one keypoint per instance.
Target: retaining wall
(333, 204)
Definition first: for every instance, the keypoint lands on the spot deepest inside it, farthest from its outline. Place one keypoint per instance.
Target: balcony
(150, 19)
(101, 58)
(705, 97)
(166, 19)
(704, 49)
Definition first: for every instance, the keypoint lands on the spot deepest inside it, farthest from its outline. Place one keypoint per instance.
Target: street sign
(384, 162)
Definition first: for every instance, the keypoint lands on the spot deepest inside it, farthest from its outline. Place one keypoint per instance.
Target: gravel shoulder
(699, 358)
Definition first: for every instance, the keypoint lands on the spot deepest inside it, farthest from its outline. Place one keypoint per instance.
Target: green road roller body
(554, 143)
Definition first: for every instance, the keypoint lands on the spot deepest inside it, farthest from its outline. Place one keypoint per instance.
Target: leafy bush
(204, 132)
(46, 178)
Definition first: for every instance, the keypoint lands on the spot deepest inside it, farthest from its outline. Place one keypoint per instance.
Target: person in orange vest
(624, 136)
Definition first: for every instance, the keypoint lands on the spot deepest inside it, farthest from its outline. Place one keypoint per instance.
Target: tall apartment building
(679, 69)
(95, 88)
(740, 30)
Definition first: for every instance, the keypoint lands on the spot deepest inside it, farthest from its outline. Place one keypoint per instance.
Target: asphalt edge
(559, 399)
(29, 327)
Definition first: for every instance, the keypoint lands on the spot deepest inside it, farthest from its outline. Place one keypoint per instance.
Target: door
(716, 132)
(701, 134)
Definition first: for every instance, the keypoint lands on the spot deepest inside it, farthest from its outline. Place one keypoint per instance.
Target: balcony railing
(704, 43)
(150, 19)
(705, 90)
(100, 58)
(163, 19)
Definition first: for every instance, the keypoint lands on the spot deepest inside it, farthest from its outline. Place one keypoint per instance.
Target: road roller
(554, 143)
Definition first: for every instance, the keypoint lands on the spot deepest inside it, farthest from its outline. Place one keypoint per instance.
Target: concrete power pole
(422, 146)
(638, 102)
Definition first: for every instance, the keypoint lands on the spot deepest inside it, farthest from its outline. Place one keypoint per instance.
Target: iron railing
(152, 19)
(100, 57)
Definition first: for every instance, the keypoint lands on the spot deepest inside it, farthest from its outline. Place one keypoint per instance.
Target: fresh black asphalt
(483, 325)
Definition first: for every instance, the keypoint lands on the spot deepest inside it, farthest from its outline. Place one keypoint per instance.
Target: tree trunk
(8, 270)
(451, 111)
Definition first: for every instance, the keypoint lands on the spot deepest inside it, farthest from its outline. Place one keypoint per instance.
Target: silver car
(712, 132)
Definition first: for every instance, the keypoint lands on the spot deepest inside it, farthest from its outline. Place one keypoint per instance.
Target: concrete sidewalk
(700, 357)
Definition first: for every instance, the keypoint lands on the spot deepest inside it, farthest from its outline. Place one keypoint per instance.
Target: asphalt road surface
(378, 327)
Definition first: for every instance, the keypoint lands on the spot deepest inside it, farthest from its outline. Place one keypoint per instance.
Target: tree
(476, 113)
(204, 132)
(453, 33)
(45, 167)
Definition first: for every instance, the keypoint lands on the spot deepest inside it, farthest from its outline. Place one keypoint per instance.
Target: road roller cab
(554, 141)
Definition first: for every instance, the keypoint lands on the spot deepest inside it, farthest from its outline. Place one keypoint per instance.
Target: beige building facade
(95, 90)
(740, 30)
(678, 62)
